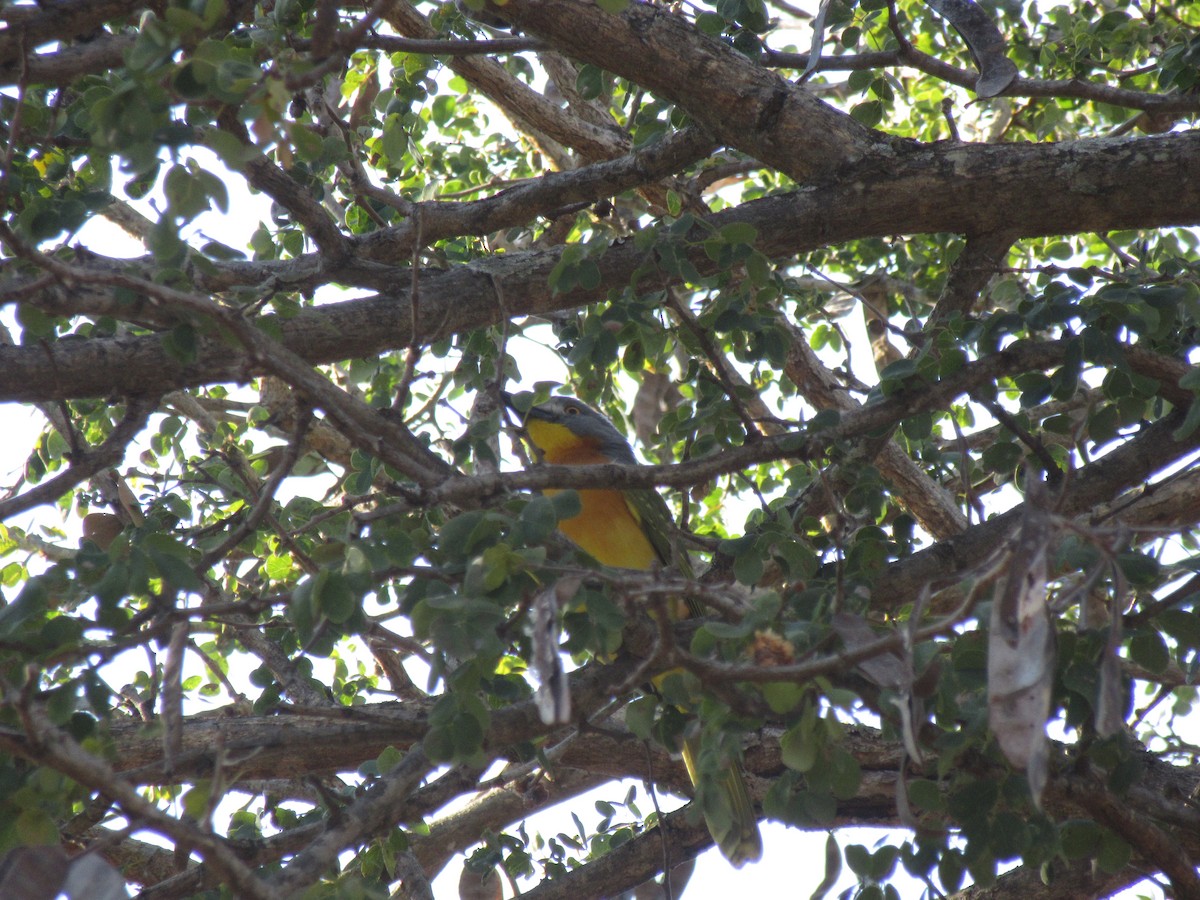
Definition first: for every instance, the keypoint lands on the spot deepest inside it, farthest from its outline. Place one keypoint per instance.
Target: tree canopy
(899, 298)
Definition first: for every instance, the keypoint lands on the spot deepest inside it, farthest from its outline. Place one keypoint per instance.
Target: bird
(629, 529)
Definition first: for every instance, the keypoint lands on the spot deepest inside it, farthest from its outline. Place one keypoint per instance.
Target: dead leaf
(886, 670)
(553, 695)
(1021, 649)
(996, 70)
(129, 501)
(769, 649)
(889, 670)
(485, 885)
(655, 395)
(1110, 699)
(101, 529)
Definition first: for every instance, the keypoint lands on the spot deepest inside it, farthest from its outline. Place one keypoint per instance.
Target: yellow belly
(608, 532)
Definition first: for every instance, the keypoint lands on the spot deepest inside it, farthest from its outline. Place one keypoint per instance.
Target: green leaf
(456, 538)
(833, 869)
(438, 744)
(388, 759)
(567, 504)
(826, 418)
(1002, 456)
(278, 568)
(883, 862)
(1078, 838)
(845, 774)
(172, 560)
(1035, 388)
(782, 696)
(748, 567)
(180, 343)
(196, 800)
(951, 871)
(729, 630)
(926, 794)
(738, 233)
(799, 748)
(1182, 625)
(1114, 854)
(899, 370)
(1149, 650)
(639, 716)
(36, 827)
(587, 275)
(333, 597)
(590, 81)
(308, 143)
(538, 519)
(1140, 569)
(1191, 379)
(858, 858)
(1190, 422)
(918, 427)
(711, 24)
(973, 799)
(869, 113)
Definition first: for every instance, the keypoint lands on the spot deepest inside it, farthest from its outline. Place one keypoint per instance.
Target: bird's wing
(654, 516)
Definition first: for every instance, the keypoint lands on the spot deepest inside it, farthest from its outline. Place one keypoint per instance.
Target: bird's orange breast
(607, 530)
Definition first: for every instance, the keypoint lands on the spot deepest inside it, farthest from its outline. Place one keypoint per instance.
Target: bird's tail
(728, 810)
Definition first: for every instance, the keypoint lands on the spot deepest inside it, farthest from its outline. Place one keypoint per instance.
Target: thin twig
(87, 464)
(262, 505)
(652, 790)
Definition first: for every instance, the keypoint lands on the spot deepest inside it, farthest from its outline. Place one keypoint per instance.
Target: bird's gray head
(560, 424)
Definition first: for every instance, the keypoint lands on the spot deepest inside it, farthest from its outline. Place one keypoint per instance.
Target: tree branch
(92, 462)
(1182, 104)
(733, 97)
(1151, 843)
(1125, 467)
(29, 26)
(50, 746)
(529, 111)
(377, 809)
(1088, 186)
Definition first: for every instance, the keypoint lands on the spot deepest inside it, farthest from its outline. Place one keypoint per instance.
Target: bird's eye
(571, 410)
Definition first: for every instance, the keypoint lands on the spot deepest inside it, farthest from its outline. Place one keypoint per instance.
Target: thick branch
(932, 505)
(745, 105)
(30, 26)
(528, 110)
(544, 196)
(1082, 186)
(499, 808)
(976, 265)
(65, 64)
(1152, 843)
(53, 748)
